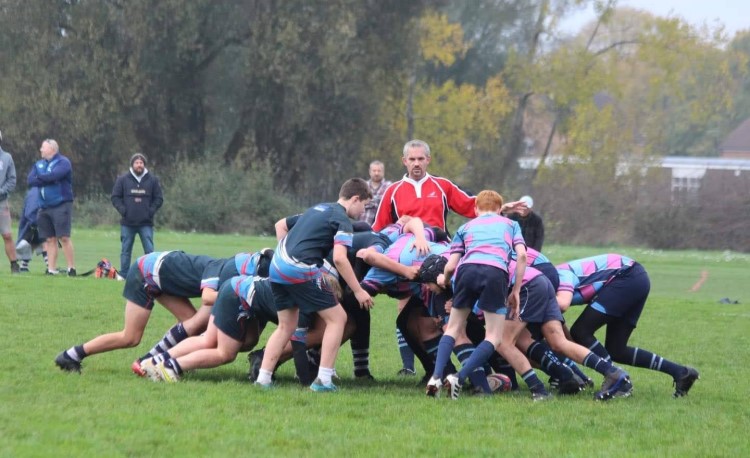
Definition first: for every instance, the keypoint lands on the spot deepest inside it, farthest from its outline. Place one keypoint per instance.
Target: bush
(209, 196)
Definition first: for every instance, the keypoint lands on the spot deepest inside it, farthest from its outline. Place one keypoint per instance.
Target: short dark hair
(355, 187)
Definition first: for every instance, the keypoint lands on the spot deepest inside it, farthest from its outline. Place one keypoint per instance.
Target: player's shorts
(55, 221)
(310, 296)
(549, 271)
(137, 291)
(176, 278)
(4, 217)
(481, 285)
(538, 302)
(625, 295)
(226, 313)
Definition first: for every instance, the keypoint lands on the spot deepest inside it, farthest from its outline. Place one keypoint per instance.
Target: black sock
(600, 351)
(76, 353)
(643, 358)
(173, 364)
(532, 381)
(299, 353)
(547, 360)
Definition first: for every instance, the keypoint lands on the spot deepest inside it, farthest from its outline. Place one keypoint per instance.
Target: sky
(733, 14)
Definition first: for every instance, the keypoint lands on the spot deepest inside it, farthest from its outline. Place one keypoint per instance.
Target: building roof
(738, 140)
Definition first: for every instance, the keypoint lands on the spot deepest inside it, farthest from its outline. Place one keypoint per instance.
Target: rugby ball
(499, 383)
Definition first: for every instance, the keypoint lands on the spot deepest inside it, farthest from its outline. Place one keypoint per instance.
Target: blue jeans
(127, 237)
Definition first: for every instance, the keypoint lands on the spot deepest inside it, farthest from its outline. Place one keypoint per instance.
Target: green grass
(107, 411)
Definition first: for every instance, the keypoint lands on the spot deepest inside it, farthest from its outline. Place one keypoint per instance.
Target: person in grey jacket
(7, 185)
(137, 196)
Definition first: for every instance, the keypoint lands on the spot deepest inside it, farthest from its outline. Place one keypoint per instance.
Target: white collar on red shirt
(417, 183)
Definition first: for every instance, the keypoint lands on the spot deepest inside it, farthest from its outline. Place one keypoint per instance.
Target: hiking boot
(433, 387)
(616, 385)
(406, 372)
(320, 387)
(453, 386)
(255, 358)
(68, 364)
(136, 368)
(683, 384)
(71, 271)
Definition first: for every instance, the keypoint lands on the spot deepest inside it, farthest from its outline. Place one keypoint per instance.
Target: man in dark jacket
(532, 225)
(137, 196)
(53, 175)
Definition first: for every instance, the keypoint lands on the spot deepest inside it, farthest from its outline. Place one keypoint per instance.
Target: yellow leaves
(439, 40)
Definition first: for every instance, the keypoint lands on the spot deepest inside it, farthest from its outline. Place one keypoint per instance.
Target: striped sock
(407, 355)
(644, 358)
(600, 365)
(361, 359)
(600, 351)
(76, 353)
(175, 335)
(532, 381)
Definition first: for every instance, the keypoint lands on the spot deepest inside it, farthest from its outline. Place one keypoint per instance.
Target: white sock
(325, 374)
(264, 377)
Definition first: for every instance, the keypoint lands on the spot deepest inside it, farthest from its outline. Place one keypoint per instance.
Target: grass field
(107, 411)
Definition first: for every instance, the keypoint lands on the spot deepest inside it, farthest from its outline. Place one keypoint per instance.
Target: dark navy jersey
(300, 254)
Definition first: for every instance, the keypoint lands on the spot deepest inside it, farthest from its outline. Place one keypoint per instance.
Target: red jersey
(428, 199)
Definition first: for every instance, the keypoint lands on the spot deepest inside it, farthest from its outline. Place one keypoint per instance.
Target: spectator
(137, 196)
(420, 194)
(28, 241)
(378, 184)
(7, 185)
(53, 174)
(532, 226)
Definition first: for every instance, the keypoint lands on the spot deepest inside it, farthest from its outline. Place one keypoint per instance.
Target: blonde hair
(489, 200)
(333, 284)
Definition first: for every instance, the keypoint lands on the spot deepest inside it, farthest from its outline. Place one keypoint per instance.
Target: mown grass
(107, 411)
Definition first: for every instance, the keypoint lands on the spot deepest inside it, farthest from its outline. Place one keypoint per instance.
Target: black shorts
(55, 221)
(310, 296)
(480, 284)
(538, 302)
(226, 313)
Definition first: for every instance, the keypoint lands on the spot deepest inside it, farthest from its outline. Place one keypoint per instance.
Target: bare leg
(335, 321)
(275, 345)
(136, 318)
(52, 253)
(67, 246)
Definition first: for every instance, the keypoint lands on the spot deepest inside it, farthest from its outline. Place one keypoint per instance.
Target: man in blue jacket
(137, 196)
(53, 175)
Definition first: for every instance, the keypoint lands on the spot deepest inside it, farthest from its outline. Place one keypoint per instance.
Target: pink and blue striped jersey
(533, 257)
(403, 252)
(529, 274)
(584, 277)
(487, 239)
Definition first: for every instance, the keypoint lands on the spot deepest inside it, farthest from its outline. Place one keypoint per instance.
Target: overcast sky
(733, 14)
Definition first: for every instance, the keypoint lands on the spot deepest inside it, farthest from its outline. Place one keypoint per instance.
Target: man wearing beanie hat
(137, 196)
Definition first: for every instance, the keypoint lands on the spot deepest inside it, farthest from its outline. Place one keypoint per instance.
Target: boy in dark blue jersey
(215, 274)
(169, 277)
(296, 278)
